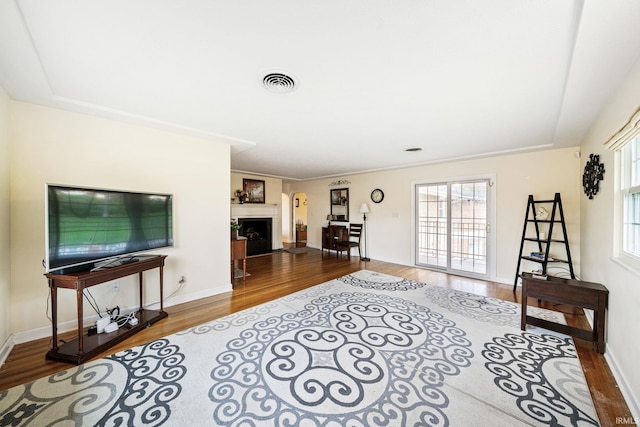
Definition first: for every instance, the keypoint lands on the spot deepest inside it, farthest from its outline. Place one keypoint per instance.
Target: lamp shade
(329, 218)
(364, 208)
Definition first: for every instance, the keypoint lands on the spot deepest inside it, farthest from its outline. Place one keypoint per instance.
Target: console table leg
(161, 289)
(54, 315)
(599, 322)
(79, 304)
(523, 306)
(140, 289)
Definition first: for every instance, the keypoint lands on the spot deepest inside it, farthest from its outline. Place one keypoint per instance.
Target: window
(630, 192)
(626, 144)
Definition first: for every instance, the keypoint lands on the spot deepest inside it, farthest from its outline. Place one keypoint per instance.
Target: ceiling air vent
(279, 82)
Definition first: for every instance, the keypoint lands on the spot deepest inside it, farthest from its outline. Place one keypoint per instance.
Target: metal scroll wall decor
(593, 174)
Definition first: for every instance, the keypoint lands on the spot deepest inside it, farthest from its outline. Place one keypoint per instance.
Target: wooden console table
(330, 235)
(239, 252)
(301, 238)
(593, 296)
(85, 347)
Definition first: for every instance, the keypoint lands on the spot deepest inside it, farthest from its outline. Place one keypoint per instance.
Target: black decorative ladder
(544, 244)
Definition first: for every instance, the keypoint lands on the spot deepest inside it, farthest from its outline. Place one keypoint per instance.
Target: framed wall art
(254, 188)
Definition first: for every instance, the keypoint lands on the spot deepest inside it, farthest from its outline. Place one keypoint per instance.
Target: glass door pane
(432, 225)
(469, 226)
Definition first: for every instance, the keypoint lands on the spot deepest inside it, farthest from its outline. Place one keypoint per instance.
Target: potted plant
(234, 229)
(241, 196)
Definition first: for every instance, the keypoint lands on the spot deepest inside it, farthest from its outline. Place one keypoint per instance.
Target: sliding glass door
(452, 226)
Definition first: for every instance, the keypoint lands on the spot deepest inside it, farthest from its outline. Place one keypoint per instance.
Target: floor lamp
(364, 210)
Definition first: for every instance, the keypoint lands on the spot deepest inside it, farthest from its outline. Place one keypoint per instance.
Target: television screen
(85, 225)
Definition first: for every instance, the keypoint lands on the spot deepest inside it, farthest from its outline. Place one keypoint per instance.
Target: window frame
(629, 186)
(619, 143)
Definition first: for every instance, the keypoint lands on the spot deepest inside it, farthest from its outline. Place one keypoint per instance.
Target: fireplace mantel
(250, 210)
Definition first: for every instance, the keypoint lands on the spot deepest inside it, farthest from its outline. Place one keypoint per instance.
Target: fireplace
(247, 211)
(258, 232)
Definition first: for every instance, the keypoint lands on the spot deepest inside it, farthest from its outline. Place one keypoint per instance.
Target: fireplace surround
(245, 212)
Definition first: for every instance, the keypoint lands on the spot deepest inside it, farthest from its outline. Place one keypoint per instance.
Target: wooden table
(330, 236)
(239, 252)
(301, 238)
(85, 346)
(593, 296)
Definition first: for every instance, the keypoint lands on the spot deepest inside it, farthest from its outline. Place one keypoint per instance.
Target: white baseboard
(504, 280)
(627, 393)
(623, 384)
(6, 349)
(72, 325)
(180, 299)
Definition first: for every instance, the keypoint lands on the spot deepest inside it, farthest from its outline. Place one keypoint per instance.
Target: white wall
(623, 340)
(5, 226)
(55, 146)
(389, 223)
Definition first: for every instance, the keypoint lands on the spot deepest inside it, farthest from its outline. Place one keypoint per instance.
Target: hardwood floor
(281, 273)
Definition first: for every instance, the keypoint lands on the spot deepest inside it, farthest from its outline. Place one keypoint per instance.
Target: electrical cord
(114, 313)
(48, 305)
(166, 298)
(121, 320)
(124, 319)
(94, 303)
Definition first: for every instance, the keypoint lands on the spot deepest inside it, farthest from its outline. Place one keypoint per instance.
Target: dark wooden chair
(352, 241)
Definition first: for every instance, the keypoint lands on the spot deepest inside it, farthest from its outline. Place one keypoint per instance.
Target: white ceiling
(460, 78)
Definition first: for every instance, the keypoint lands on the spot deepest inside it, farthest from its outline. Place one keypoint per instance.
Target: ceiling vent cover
(279, 82)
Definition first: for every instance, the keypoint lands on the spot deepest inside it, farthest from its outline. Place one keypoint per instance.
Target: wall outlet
(182, 280)
(115, 287)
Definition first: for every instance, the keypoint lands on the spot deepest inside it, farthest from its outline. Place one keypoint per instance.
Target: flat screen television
(85, 227)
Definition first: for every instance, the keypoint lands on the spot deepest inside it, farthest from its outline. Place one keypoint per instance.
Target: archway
(299, 217)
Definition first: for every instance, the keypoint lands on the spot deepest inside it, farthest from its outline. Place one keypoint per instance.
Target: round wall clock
(593, 174)
(377, 195)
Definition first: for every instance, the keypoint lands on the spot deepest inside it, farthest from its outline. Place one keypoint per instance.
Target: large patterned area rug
(366, 349)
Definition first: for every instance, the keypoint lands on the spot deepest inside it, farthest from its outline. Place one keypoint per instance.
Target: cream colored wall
(623, 341)
(54, 146)
(389, 223)
(5, 224)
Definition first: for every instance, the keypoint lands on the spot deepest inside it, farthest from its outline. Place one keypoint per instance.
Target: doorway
(453, 226)
(299, 217)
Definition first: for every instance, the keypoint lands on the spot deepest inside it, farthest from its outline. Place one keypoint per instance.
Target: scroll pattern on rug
(135, 387)
(343, 363)
(521, 364)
